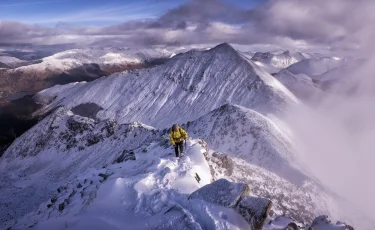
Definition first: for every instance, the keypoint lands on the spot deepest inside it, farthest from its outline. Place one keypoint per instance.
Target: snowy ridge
(300, 85)
(106, 56)
(11, 61)
(63, 145)
(71, 59)
(81, 173)
(273, 62)
(92, 163)
(316, 66)
(246, 134)
(147, 193)
(74, 155)
(190, 85)
(77, 65)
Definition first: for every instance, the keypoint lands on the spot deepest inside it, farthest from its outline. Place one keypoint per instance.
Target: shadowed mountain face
(5, 66)
(15, 119)
(31, 80)
(30, 75)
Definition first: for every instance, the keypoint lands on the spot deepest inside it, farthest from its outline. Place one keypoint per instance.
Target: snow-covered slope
(103, 57)
(89, 164)
(70, 168)
(76, 172)
(265, 158)
(186, 87)
(142, 192)
(55, 151)
(11, 61)
(77, 65)
(273, 62)
(300, 85)
(316, 66)
(246, 134)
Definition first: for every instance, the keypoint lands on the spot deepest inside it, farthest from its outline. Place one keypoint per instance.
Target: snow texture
(109, 170)
(247, 134)
(300, 85)
(273, 62)
(222, 192)
(10, 61)
(315, 66)
(75, 58)
(255, 210)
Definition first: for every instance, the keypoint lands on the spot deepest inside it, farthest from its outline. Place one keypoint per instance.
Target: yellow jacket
(178, 136)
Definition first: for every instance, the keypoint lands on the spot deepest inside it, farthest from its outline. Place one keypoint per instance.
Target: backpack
(178, 127)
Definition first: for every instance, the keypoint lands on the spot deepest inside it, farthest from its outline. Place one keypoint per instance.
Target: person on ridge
(177, 136)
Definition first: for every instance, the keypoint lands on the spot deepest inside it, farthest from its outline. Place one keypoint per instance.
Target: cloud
(32, 3)
(15, 32)
(337, 24)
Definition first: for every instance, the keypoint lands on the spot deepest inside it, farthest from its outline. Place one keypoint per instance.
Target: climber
(177, 136)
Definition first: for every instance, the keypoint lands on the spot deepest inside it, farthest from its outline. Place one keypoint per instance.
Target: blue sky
(91, 12)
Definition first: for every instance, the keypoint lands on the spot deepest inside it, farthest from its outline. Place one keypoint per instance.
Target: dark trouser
(179, 145)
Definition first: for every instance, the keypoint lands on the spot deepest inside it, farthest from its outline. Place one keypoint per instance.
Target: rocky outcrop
(223, 161)
(255, 210)
(319, 223)
(125, 156)
(222, 192)
(324, 223)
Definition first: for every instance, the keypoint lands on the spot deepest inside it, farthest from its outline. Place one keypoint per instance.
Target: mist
(336, 138)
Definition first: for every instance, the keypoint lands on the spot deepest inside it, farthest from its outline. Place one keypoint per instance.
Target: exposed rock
(197, 177)
(104, 176)
(110, 127)
(324, 223)
(93, 139)
(224, 161)
(53, 199)
(222, 192)
(87, 110)
(61, 206)
(292, 226)
(79, 124)
(125, 156)
(283, 223)
(255, 210)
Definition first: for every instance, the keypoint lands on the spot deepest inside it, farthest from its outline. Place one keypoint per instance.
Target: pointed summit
(224, 48)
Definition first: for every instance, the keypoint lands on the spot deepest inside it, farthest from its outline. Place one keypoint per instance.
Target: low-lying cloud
(337, 134)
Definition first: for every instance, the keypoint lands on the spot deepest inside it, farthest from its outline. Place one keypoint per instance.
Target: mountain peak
(224, 47)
